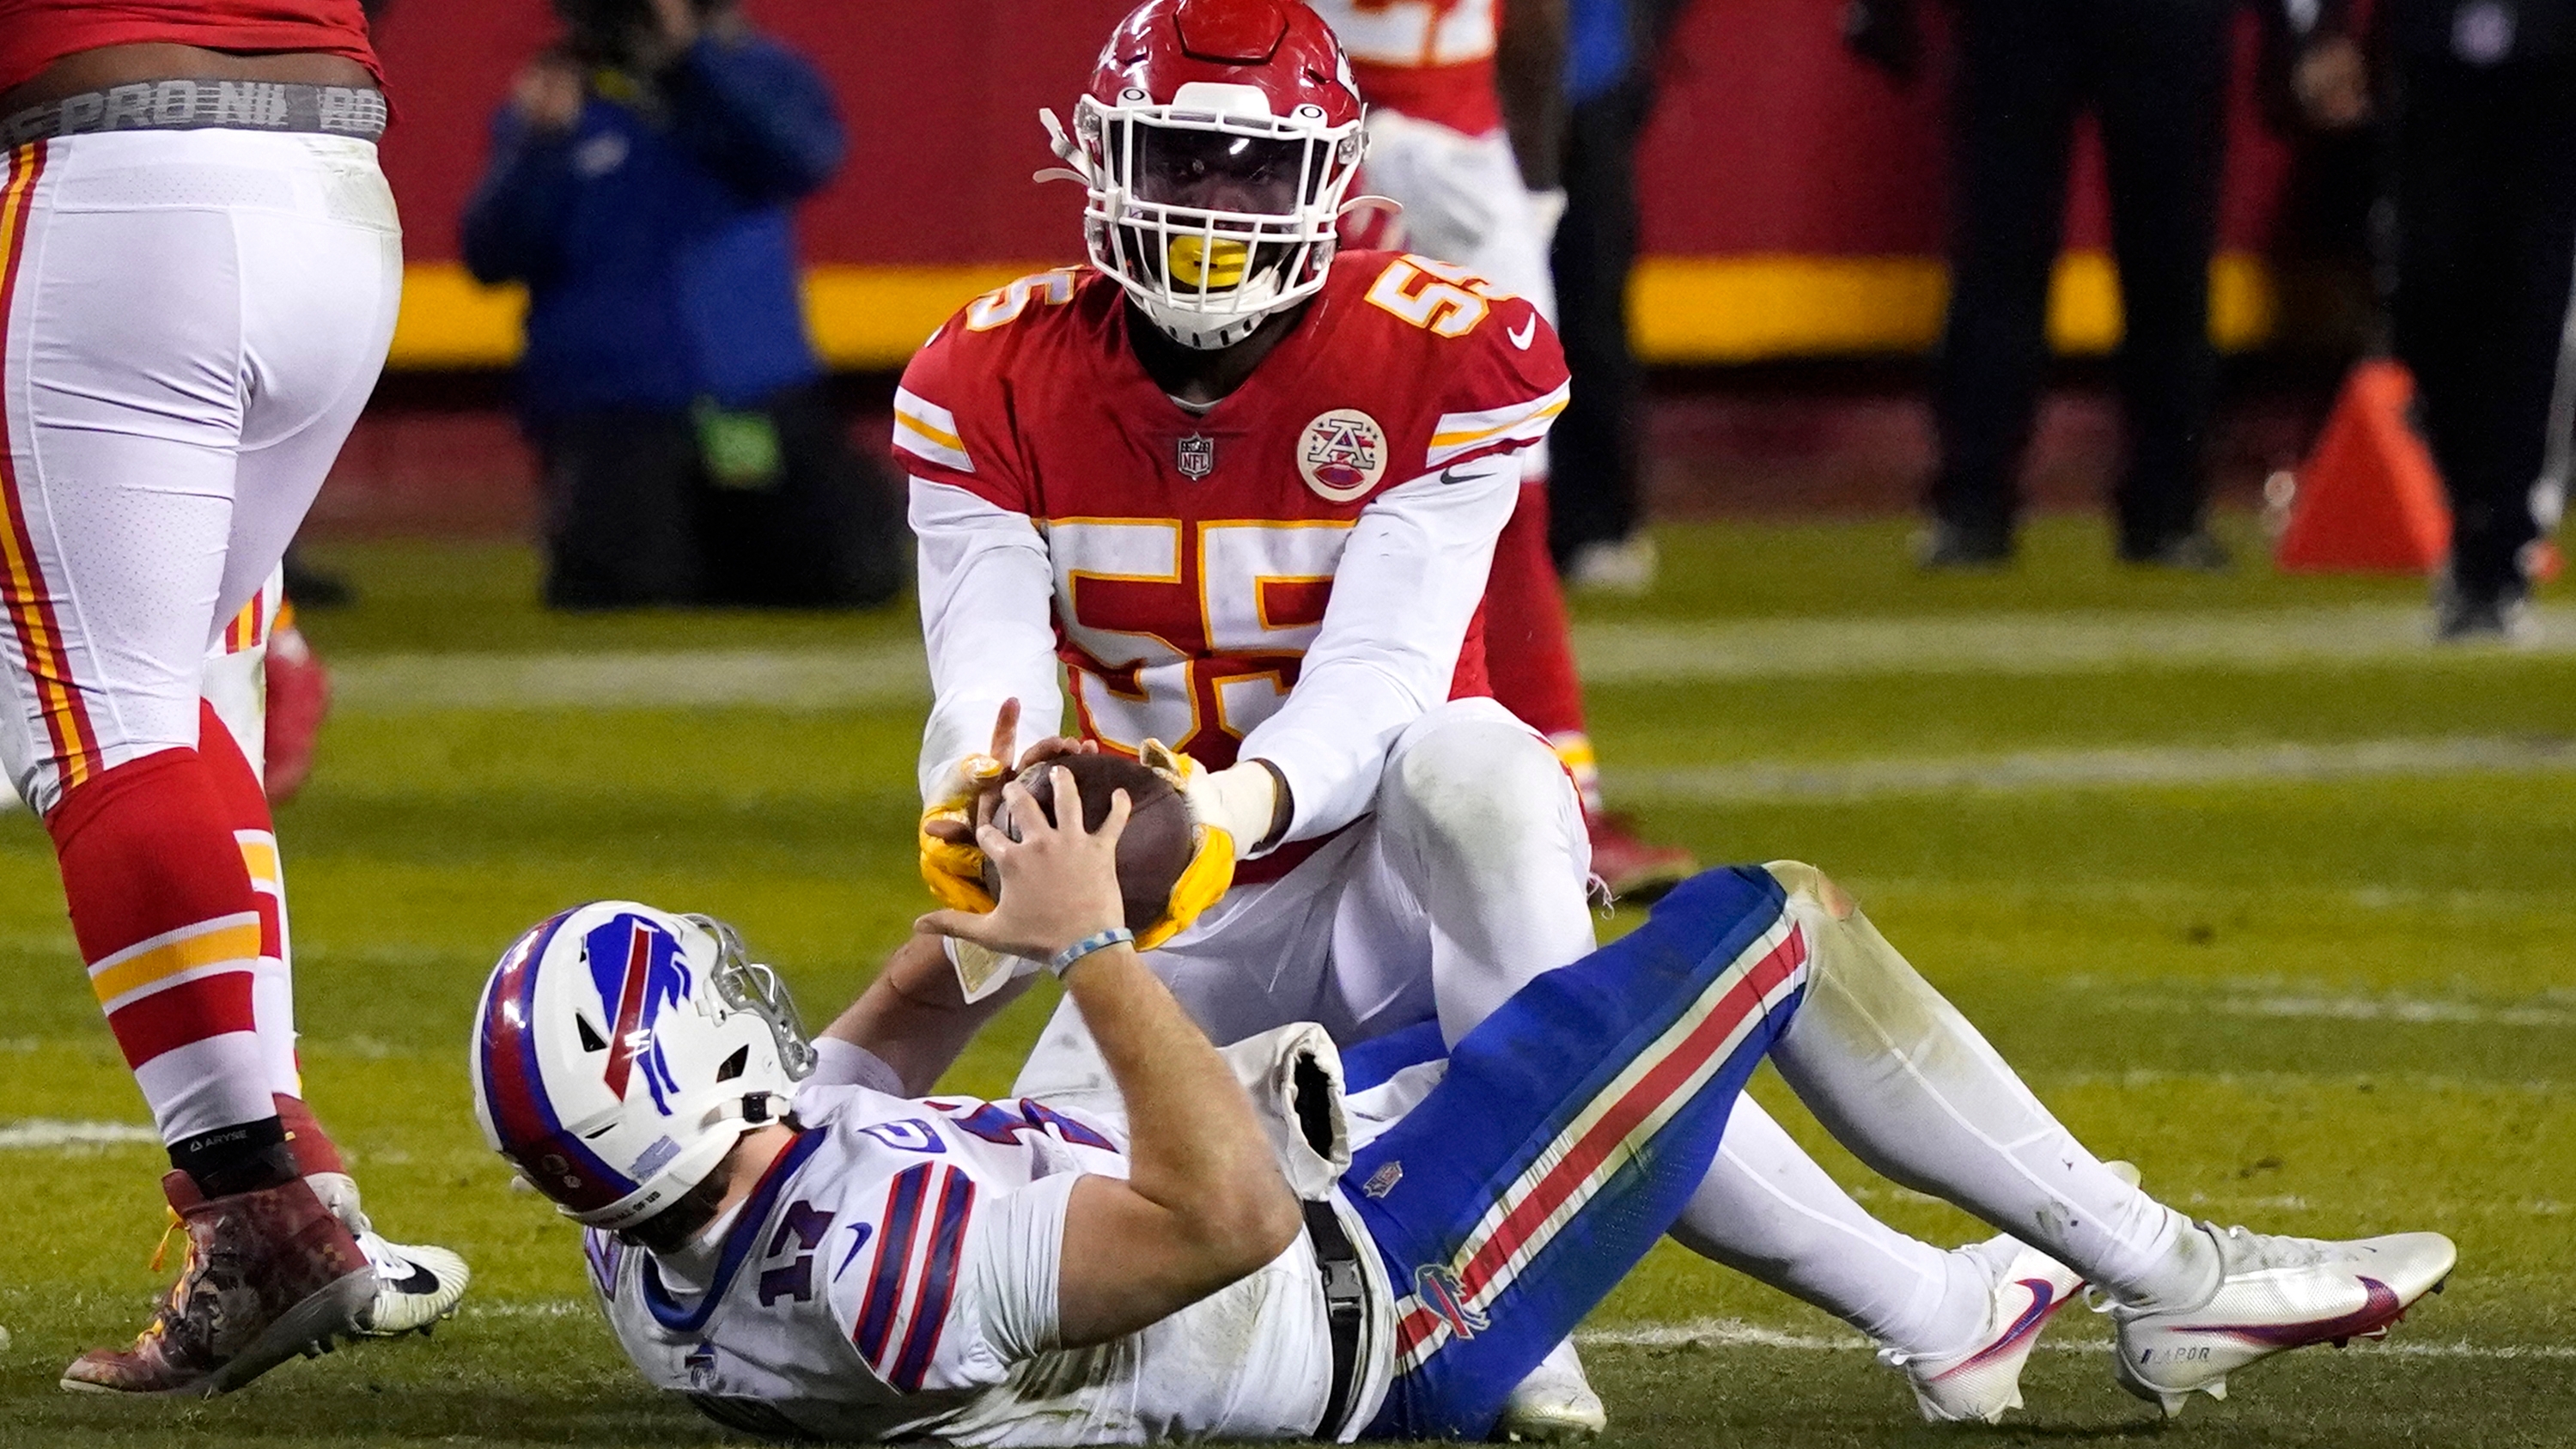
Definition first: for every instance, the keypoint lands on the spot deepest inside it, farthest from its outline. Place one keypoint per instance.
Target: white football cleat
(416, 1284)
(2274, 1294)
(1554, 1405)
(1978, 1383)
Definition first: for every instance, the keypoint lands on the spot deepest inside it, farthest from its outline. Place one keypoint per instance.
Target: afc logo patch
(1441, 1292)
(1342, 454)
(1195, 456)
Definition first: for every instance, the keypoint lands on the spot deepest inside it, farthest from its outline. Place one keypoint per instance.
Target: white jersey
(894, 1276)
(1412, 33)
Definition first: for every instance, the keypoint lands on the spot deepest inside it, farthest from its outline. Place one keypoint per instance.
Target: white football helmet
(1216, 140)
(619, 1051)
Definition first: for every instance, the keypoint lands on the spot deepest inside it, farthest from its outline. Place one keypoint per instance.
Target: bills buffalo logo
(1195, 456)
(1440, 1291)
(1342, 454)
(636, 967)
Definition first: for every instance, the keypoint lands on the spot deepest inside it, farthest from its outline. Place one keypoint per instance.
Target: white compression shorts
(190, 322)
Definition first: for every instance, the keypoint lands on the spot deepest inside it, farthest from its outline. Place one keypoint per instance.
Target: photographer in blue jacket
(641, 184)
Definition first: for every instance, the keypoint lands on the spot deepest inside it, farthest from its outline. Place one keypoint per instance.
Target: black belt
(1345, 1308)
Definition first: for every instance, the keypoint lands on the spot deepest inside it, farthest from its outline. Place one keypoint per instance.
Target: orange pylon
(2369, 499)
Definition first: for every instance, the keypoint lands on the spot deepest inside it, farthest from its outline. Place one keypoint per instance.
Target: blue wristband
(1114, 936)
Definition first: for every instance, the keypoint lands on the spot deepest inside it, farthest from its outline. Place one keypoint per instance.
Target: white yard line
(2118, 768)
(2392, 1010)
(2020, 643)
(1637, 653)
(1727, 1333)
(46, 1134)
(796, 680)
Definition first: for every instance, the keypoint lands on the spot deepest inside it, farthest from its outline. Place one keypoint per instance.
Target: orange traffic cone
(2369, 499)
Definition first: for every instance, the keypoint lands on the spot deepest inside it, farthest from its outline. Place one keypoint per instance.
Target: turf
(2321, 1006)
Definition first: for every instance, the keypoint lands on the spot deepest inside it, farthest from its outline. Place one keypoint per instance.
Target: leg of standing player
(417, 1284)
(177, 380)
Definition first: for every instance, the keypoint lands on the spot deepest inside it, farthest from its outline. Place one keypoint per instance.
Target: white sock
(1768, 1211)
(1900, 1077)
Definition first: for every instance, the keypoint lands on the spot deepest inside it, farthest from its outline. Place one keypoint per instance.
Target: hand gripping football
(1161, 860)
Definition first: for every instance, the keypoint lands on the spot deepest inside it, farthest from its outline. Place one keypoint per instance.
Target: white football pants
(193, 321)
(1466, 880)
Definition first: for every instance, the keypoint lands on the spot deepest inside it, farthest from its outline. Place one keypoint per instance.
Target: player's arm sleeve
(987, 617)
(987, 582)
(1014, 1266)
(1411, 577)
(1408, 585)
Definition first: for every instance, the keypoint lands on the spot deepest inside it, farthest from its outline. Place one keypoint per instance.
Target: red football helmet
(1217, 141)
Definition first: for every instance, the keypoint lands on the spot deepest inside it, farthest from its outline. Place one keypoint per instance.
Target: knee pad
(1469, 773)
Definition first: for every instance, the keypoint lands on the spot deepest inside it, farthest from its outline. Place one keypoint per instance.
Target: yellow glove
(1230, 813)
(955, 872)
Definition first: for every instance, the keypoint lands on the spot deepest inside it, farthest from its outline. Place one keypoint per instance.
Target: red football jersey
(36, 33)
(1433, 60)
(1194, 552)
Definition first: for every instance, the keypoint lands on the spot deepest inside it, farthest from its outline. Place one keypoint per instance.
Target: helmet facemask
(1211, 212)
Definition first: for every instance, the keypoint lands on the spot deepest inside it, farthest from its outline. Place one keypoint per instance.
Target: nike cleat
(266, 1275)
(416, 1286)
(1554, 1405)
(1980, 1382)
(2274, 1294)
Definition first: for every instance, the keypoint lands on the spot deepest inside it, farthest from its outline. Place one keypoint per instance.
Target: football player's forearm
(1529, 76)
(913, 1018)
(1195, 1151)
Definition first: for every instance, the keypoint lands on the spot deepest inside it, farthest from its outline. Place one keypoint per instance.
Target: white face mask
(1211, 212)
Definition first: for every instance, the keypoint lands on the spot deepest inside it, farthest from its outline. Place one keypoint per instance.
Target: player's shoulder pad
(950, 380)
(1501, 369)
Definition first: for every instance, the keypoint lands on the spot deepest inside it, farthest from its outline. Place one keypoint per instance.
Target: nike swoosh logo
(421, 1280)
(1452, 475)
(2378, 1309)
(1522, 334)
(2043, 1302)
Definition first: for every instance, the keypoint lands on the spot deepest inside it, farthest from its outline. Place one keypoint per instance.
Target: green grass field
(2258, 891)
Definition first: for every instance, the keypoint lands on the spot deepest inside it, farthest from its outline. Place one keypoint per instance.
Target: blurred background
(1792, 201)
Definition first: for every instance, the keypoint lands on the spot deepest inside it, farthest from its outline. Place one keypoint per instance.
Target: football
(1152, 853)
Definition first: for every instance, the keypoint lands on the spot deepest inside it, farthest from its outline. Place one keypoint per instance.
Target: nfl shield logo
(1196, 456)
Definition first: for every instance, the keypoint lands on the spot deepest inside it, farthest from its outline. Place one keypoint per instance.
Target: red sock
(166, 917)
(246, 809)
(313, 1148)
